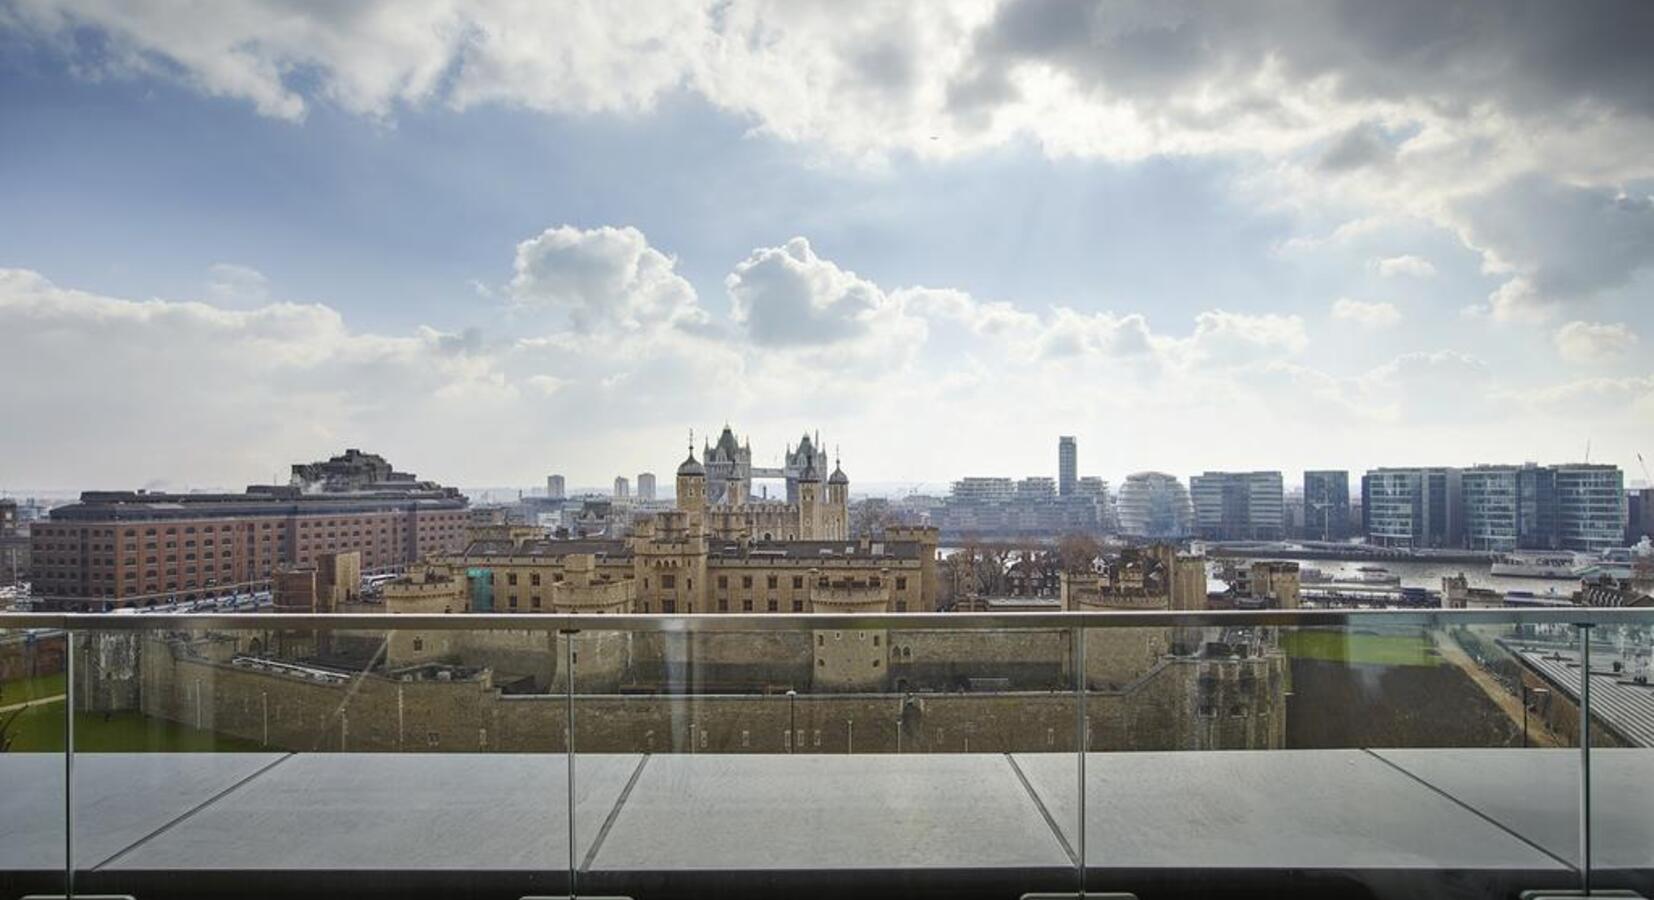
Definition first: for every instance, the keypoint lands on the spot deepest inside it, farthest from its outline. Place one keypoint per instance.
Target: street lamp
(792, 721)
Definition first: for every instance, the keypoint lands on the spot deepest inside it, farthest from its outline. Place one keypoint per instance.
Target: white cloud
(1595, 343)
(1407, 264)
(1368, 315)
(230, 284)
(604, 278)
(1340, 105)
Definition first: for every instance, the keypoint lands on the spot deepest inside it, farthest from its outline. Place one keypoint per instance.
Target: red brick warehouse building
(122, 548)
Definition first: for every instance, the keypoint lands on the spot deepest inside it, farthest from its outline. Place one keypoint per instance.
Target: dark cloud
(1526, 57)
(1567, 241)
(1361, 146)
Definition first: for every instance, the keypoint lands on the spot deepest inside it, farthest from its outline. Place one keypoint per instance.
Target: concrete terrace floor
(1390, 823)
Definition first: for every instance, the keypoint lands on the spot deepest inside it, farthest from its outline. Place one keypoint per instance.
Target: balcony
(1219, 754)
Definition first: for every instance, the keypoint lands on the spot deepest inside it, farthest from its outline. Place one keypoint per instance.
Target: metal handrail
(747, 622)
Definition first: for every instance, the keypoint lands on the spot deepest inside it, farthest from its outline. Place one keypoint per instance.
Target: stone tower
(809, 504)
(692, 486)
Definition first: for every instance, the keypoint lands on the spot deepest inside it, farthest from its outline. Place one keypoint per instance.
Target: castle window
(723, 604)
(901, 606)
(901, 582)
(746, 605)
(875, 664)
(534, 602)
(513, 601)
(875, 640)
(746, 581)
(773, 582)
(723, 581)
(534, 579)
(773, 605)
(419, 644)
(511, 578)
(821, 640)
(668, 606)
(798, 606)
(668, 582)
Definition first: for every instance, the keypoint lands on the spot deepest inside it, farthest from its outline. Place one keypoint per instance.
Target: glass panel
(782, 758)
(1385, 755)
(33, 682)
(1622, 742)
(345, 759)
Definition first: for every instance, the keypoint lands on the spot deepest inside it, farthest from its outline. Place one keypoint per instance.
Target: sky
(495, 241)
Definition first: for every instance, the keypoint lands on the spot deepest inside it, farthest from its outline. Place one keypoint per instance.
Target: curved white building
(1154, 504)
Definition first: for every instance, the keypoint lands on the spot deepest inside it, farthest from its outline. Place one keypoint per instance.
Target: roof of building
(838, 476)
(259, 500)
(726, 550)
(691, 466)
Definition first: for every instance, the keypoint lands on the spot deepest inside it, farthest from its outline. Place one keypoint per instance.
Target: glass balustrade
(1394, 754)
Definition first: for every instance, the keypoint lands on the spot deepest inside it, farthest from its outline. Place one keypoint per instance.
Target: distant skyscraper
(1068, 465)
(554, 487)
(623, 488)
(646, 486)
(1327, 504)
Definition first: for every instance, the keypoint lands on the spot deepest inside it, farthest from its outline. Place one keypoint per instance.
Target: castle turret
(692, 486)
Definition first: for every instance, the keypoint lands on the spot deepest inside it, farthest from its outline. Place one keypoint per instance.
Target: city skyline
(883, 223)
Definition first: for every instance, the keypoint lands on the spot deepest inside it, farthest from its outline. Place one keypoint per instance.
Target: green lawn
(1358, 648)
(19, 690)
(40, 729)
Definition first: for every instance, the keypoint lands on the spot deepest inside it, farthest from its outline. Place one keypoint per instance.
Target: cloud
(604, 278)
(231, 284)
(1407, 264)
(1361, 146)
(1237, 337)
(1593, 343)
(1368, 315)
(1556, 242)
(1441, 112)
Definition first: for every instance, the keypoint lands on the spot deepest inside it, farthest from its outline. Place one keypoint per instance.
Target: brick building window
(773, 605)
(798, 582)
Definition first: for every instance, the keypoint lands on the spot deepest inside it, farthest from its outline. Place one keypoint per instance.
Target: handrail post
(68, 765)
(568, 746)
(1585, 759)
(1080, 734)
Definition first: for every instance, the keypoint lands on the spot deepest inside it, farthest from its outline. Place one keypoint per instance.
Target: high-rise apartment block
(1238, 506)
(623, 488)
(1068, 464)
(555, 489)
(646, 487)
(1326, 504)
